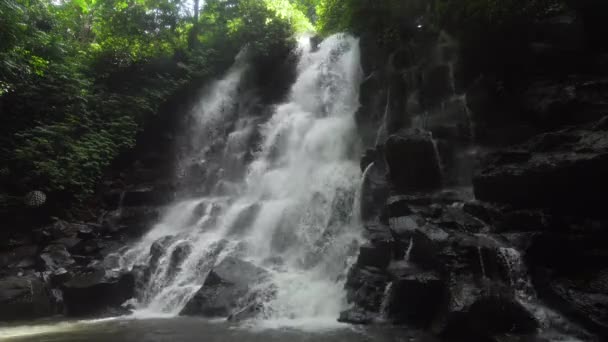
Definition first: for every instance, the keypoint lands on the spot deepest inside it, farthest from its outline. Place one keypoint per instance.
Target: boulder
(416, 296)
(148, 196)
(375, 255)
(374, 191)
(24, 298)
(227, 289)
(563, 171)
(366, 288)
(469, 304)
(55, 257)
(19, 257)
(413, 161)
(93, 293)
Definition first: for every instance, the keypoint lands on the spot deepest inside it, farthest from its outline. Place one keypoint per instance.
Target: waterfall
(292, 213)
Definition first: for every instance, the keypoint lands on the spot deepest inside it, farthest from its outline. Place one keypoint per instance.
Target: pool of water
(193, 329)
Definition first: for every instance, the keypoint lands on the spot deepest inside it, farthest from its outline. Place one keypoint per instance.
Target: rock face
(24, 298)
(563, 170)
(227, 290)
(93, 293)
(413, 161)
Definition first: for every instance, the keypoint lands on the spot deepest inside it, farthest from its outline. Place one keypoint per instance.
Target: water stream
(291, 211)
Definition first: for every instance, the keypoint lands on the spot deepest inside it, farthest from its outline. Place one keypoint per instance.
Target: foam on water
(294, 204)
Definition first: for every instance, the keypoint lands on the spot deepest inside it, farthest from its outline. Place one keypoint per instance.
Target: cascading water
(293, 212)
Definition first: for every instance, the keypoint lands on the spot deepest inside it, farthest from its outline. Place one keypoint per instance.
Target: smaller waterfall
(386, 300)
(383, 130)
(408, 252)
(481, 262)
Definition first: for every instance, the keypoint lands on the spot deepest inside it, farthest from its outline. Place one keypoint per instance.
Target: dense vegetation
(79, 79)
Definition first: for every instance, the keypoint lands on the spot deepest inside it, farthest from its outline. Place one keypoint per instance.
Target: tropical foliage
(79, 79)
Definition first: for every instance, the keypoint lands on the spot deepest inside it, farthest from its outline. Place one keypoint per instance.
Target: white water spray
(295, 203)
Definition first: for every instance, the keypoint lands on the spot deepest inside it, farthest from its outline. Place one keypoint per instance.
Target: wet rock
(469, 304)
(563, 171)
(226, 289)
(583, 297)
(24, 298)
(148, 196)
(366, 288)
(413, 161)
(374, 191)
(88, 294)
(132, 221)
(375, 255)
(19, 257)
(416, 296)
(56, 256)
(358, 316)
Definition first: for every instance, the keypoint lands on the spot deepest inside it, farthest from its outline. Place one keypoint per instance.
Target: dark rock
(378, 255)
(69, 243)
(86, 233)
(133, 221)
(54, 257)
(436, 84)
(413, 161)
(470, 304)
(415, 297)
(366, 288)
(565, 171)
(24, 298)
(88, 294)
(19, 257)
(148, 196)
(583, 298)
(226, 289)
(374, 192)
(358, 316)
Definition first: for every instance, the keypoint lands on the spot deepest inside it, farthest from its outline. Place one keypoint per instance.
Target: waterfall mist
(290, 212)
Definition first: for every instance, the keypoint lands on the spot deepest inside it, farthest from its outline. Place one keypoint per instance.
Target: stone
(148, 196)
(19, 257)
(416, 296)
(563, 171)
(378, 255)
(56, 256)
(374, 192)
(24, 298)
(413, 161)
(226, 290)
(89, 294)
(494, 305)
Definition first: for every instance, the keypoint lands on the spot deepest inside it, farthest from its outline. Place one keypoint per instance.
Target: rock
(358, 316)
(374, 191)
(24, 298)
(227, 289)
(378, 255)
(93, 293)
(148, 196)
(416, 296)
(132, 221)
(494, 305)
(19, 257)
(56, 256)
(583, 298)
(366, 288)
(563, 171)
(413, 161)
(69, 243)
